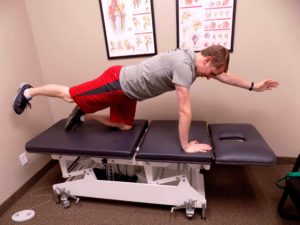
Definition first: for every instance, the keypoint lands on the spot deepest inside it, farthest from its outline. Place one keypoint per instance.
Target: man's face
(205, 69)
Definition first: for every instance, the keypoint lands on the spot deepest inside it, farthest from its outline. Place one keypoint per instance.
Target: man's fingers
(195, 146)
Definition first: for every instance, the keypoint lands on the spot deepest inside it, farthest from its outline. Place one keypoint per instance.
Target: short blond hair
(220, 56)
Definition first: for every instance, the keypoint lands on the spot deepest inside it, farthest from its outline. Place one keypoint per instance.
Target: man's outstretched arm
(185, 117)
(237, 81)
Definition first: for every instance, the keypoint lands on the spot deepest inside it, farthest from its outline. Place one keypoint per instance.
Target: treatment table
(146, 164)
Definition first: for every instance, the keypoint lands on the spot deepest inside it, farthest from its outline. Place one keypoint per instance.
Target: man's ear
(208, 59)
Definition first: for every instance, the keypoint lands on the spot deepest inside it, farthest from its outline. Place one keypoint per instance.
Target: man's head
(212, 61)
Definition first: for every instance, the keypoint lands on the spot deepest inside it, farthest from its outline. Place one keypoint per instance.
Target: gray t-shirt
(158, 74)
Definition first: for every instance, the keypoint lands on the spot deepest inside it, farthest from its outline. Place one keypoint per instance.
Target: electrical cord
(40, 196)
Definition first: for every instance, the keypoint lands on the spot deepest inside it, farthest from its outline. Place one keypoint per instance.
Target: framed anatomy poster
(201, 23)
(129, 28)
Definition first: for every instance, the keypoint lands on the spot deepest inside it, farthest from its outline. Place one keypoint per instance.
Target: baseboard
(286, 160)
(25, 187)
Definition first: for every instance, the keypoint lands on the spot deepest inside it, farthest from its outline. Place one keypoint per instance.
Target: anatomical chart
(202, 23)
(129, 27)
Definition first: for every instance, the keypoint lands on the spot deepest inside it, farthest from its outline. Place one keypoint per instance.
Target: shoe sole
(71, 116)
(18, 92)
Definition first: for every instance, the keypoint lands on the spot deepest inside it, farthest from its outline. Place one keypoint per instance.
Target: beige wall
(18, 62)
(68, 38)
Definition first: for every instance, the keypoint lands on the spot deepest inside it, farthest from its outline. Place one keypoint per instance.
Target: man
(121, 87)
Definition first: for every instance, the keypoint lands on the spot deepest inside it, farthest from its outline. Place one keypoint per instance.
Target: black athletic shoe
(20, 102)
(73, 120)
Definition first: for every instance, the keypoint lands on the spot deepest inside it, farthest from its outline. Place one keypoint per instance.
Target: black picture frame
(204, 23)
(129, 28)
